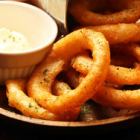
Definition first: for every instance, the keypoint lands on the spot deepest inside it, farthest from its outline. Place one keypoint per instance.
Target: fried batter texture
(28, 106)
(86, 12)
(39, 85)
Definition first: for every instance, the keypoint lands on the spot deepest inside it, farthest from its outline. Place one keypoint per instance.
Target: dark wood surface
(16, 133)
(15, 130)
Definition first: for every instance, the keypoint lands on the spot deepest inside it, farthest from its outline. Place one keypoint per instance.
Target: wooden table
(16, 130)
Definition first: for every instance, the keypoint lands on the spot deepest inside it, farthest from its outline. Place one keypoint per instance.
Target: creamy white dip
(12, 41)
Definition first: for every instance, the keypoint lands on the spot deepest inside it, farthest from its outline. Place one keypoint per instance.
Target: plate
(97, 116)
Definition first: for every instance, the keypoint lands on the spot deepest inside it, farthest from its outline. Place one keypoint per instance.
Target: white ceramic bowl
(37, 26)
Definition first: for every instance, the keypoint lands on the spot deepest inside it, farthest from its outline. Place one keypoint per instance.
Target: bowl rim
(35, 121)
(37, 9)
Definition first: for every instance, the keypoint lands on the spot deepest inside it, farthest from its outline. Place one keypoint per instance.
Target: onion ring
(19, 100)
(110, 96)
(39, 85)
(123, 76)
(82, 12)
(116, 75)
(61, 88)
(123, 99)
(119, 33)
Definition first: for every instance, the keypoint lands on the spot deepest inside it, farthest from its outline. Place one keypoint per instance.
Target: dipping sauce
(12, 41)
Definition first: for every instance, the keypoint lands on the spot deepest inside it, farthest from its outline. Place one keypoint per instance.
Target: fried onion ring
(116, 74)
(39, 85)
(61, 88)
(82, 11)
(123, 99)
(110, 96)
(19, 100)
(119, 33)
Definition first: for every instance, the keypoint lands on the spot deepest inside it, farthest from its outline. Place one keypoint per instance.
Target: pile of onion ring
(121, 74)
(118, 22)
(99, 62)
